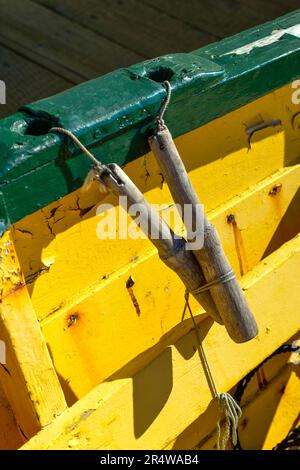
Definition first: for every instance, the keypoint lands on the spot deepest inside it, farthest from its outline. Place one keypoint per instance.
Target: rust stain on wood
(239, 245)
(129, 286)
(275, 194)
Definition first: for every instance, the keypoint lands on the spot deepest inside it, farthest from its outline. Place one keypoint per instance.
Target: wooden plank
(202, 432)
(28, 377)
(98, 297)
(137, 26)
(222, 18)
(25, 81)
(68, 49)
(269, 416)
(143, 411)
(273, 9)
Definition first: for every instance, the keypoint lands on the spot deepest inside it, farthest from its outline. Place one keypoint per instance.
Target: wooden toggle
(225, 289)
(171, 248)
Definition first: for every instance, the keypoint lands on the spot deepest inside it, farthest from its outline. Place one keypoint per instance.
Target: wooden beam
(151, 408)
(28, 377)
(224, 17)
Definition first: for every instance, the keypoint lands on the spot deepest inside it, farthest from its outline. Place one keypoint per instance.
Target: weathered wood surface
(56, 242)
(142, 411)
(26, 80)
(64, 47)
(28, 376)
(268, 415)
(142, 28)
(99, 298)
(228, 297)
(224, 17)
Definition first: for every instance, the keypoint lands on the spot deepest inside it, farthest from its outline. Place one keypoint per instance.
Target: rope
(220, 280)
(75, 139)
(203, 357)
(160, 117)
(228, 407)
(232, 412)
(98, 167)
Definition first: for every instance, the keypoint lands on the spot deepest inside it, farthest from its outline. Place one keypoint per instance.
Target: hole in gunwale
(161, 74)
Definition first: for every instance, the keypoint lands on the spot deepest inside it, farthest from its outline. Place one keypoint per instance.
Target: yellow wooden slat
(286, 417)
(269, 416)
(108, 332)
(150, 409)
(28, 377)
(202, 432)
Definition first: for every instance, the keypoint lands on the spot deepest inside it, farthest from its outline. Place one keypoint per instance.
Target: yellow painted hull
(131, 378)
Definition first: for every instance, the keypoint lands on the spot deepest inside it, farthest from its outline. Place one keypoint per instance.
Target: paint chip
(275, 36)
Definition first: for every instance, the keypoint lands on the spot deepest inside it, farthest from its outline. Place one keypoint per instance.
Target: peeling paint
(82, 417)
(266, 41)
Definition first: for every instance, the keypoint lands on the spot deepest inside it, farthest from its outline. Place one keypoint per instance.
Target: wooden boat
(95, 362)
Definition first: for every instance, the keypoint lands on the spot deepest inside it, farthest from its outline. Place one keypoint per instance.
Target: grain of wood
(267, 417)
(66, 48)
(203, 429)
(25, 81)
(28, 379)
(222, 18)
(137, 26)
(271, 10)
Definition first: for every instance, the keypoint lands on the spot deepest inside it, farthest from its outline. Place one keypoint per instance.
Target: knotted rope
(229, 409)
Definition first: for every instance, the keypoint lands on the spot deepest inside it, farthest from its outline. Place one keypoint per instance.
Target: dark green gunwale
(114, 114)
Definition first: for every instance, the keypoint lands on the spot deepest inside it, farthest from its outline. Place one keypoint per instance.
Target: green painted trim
(115, 114)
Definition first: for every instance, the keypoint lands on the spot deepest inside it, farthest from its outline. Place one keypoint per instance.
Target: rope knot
(231, 411)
